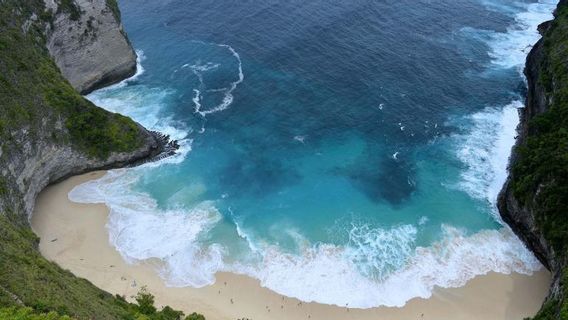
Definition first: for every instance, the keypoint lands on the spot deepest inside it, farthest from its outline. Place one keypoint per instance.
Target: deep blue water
(336, 150)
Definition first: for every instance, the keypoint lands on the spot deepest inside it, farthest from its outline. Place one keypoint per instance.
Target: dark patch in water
(381, 178)
(260, 177)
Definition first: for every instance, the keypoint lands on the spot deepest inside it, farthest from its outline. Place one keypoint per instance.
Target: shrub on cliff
(540, 172)
(22, 313)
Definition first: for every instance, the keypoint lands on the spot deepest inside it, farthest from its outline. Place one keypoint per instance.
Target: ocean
(343, 152)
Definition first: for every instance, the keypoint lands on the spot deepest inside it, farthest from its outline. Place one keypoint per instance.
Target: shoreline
(74, 236)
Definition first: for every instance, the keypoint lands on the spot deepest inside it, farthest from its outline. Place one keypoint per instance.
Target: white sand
(74, 236)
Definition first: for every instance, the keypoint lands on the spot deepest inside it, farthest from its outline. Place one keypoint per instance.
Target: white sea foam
(510, 49)
(140, 57)
(329, 274)
(485, 151)
(198, 69)
(332, 275)
(140, 230)
(340, 275)
(145, 105)
(244, 235)
(368, 271)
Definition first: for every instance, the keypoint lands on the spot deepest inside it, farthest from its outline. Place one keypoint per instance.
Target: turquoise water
(345, 153)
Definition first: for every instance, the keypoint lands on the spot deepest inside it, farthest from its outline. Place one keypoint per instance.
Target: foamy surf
(485, 151)
(140, 230)
(145, 105)
(343, 275)
(509, 49)
(326, 274)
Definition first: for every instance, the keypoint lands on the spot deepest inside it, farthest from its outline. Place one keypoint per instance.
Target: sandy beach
(74, 236)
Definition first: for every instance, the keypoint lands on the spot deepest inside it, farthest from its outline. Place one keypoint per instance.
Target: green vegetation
(540, 173)
(42, 285)
(3, 186)
(26, 277)
(543, 160)
(556, 308)
(195, 316)
(38, 105)
(113, 6)
(33, 91)
(69, 7)
(21, 313)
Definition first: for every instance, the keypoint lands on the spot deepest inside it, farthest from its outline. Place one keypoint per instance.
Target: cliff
(88, 43)
(48, 131)
(534, 199)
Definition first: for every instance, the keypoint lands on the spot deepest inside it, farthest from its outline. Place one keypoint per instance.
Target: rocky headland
(534, 199)
(50, 53)
(89, 44)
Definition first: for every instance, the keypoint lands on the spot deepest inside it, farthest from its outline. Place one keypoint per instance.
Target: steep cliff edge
(49, 131)
(88, 44)
(534, 199)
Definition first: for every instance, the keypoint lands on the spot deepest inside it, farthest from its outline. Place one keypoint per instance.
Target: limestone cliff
(88, 43)
(49, 131)
(534, 199)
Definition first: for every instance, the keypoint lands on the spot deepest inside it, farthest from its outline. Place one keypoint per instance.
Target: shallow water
(340, 152)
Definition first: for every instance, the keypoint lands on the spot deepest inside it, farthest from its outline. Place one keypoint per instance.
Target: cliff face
(87, 41)
(40, 162)
(521, 217)
(534, 199)
(49, 131)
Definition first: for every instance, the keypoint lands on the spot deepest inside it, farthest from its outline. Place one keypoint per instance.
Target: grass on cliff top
(540, 173)
(49, 292)
(33, 91)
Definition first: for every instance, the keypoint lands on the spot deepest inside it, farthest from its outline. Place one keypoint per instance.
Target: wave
(140, 230)
(146, 106)
(139, 72)
(509, 49)
(326, 274)
(344, 275)
(485, 151)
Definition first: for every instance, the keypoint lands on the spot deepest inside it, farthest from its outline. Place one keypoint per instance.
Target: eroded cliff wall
(88, 43)
(49, 131)
(534, 199)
